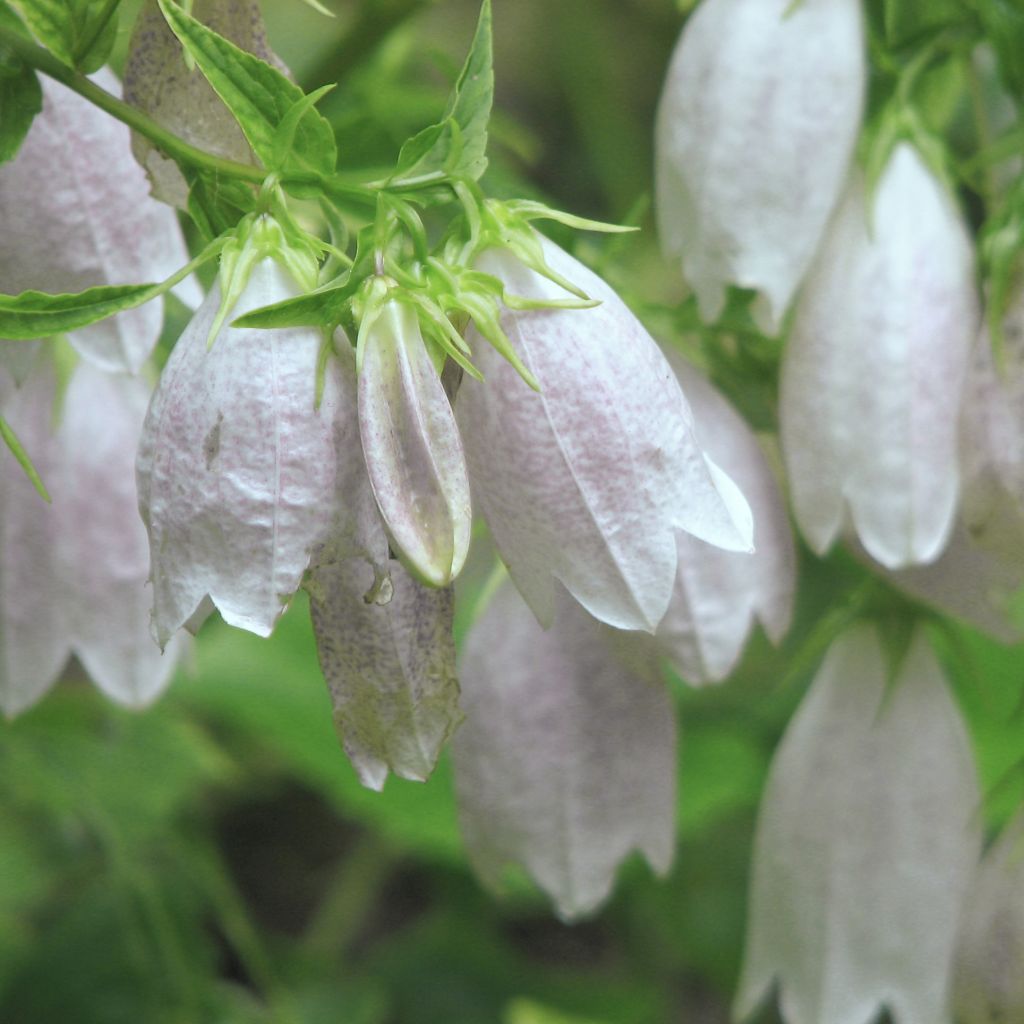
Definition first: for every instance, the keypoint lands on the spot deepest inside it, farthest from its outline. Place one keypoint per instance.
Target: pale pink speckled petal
(565, 763)
(755, 133)
(413, 449)
(875, 367)
(866, 842)
(93, 224)
(101, 540)
(589, 480)
(390, 668)
(34, 642)
(236, 466)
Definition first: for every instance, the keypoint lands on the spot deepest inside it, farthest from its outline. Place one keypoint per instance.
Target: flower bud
(566, 762)
(390, 668)
(719, 594)
(412, 447)
(589, 480)
(988, 983)
(74, 579)
(93, 223)
(237, 464)
(755, 132)
(866, 841)
(874, 369)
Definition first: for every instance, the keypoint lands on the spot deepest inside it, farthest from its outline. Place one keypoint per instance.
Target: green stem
(169, 143)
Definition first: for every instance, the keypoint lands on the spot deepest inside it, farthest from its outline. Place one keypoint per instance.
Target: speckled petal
(875, 366)
(34, 641)
(93, 224)
(413, 449)
(565, 763)
(390, 668)
(101, 540)
(589, 480)
(755, 132)
(866, 842)
(236, 465)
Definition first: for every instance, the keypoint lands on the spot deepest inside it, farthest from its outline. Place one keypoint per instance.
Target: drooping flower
(866, 841)
(755, 133)
(988, 983)
(874, 369)
(565, 762)
(590, 479)
(719, 594)
(94, 223)
(412, 447)
(74, 572)
(237, 464)
(390, 667)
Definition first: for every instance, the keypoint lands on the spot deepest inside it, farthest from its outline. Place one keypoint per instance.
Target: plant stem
(169, 143)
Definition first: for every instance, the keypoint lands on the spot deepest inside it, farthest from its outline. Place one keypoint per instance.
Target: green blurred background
(215, 859)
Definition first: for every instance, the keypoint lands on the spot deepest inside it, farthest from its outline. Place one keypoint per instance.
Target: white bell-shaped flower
(237, 464)
(873, 372)
(590, 479)
(988, 980)
(565, 762)
(76, 212)
(74, 572)
(755, 131)
(866, 842)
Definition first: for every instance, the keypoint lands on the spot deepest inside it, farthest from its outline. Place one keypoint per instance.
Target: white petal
(565, 762)
(390, 668)
(101, 541)
(719, 594)
(412, 448)
(755, 132)
(866, 841)
(875, 366)
(988, 983)
(588, 480)
(93, 224)
(34, 643)
(236, 465)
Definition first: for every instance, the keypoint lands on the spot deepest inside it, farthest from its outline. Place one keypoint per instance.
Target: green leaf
(260, 98)
(456, 147)
(314, 309)
(12, 442)
(20, 95)
(217, 204)
(81, 33)
(1004, 27)
(909, 20)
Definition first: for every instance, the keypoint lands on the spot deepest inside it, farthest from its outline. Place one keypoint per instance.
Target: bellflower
(590, 479)
(565, 762)
(94, 223)
(874, 369)
(866, 841)
(237, 463)
(755, 131)
(719, 594)
(988, 984)
(75, 570)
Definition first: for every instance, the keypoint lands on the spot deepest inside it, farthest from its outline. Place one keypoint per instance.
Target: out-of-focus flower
(74, 578)
(159, 82)
(237, 464)
(719, 594)
(94, 223)
(565, 762)
(988, 983)
(412, 447)
(390, 667)
(755, 132)
(866, 842)
(874, 369)
(589, 480)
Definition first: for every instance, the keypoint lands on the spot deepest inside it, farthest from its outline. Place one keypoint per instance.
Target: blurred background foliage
(215, 859)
